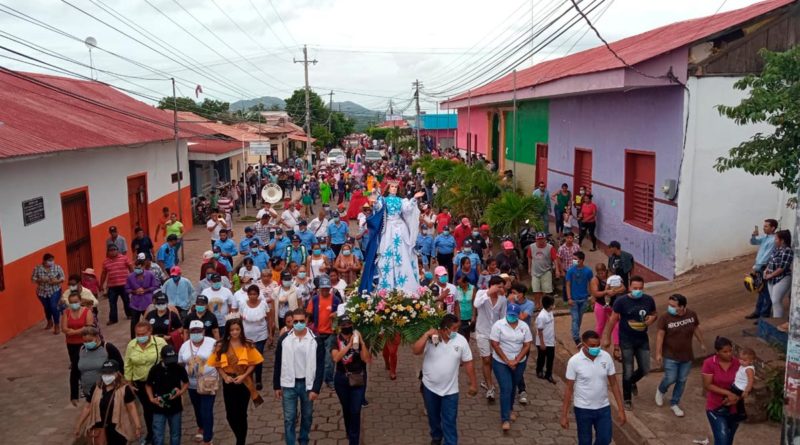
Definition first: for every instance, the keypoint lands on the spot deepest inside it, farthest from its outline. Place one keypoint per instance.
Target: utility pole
(416, 85)
(791, 408)
(177, 155)
(305, 63)
(330, 107)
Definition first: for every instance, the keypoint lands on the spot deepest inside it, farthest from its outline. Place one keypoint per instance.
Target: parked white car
(336, 156)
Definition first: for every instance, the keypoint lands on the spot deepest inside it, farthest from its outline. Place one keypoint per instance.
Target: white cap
(208, 254)
(140, 256)
(614, 281)
(196, 324)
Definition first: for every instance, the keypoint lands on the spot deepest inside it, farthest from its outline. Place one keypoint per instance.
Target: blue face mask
(443, 279)
(286, 284)
(637, 293)
(336, 220)
(216, 286)
(142, 339)
(90, 345)
(299, 325)
(453, 335)
(138, 271)
(301, 274)
(176, 278)
(74, 306)
(467, 250)
(594, 352)
(445, 232)
(346, 252)
(671, 310)
(200, 308)
(512, 318)
(317, 251)
(196, 337)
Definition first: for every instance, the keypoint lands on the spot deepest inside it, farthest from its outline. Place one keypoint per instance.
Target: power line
(243, 31)
(278, 14)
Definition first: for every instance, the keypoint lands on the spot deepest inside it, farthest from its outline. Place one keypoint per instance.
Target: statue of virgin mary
(389, 258)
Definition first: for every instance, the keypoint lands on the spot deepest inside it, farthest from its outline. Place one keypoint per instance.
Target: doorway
(541, 163)
(77, 231)
(583, 170)
(137, 203)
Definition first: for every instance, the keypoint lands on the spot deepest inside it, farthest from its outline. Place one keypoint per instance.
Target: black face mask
(347, 330)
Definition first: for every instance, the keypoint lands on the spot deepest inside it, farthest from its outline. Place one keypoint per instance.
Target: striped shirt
(117, 270)
(40, 272)
(565, 256)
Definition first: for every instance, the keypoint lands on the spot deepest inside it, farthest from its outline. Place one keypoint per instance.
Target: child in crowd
(566, 217)
(545, 340)
(745, 377)
(288, 323)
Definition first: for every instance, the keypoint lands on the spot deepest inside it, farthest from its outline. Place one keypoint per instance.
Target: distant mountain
(268, 101)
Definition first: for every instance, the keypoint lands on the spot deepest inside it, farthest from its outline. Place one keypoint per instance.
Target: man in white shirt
(545, 340)
(490, 305)
(590, 374)
(297, 376)
(267, 210)
(220, 299)
(444, 352)
(215, 224)
(290, 218)
(319, 225)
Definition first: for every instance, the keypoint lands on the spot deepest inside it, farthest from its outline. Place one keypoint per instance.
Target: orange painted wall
(20, 292)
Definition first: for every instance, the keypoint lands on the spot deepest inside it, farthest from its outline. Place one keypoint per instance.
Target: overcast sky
(367, 50)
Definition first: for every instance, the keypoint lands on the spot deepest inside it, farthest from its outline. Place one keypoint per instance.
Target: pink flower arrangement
(382, 293)
(381, 306)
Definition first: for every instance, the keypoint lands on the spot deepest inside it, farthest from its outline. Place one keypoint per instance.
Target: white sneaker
(490, 394)
(677, 410)
(659, 398)
(523, 398)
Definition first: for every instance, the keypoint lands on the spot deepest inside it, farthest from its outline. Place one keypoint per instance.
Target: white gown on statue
(397, 260)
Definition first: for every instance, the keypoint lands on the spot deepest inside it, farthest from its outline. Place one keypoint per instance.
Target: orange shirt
(247, 355)
(324, 323)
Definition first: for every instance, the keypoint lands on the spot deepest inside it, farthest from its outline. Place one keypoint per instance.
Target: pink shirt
(720, 377)
(589, 212)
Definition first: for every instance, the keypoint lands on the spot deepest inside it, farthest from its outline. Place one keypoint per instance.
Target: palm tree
(508, 214)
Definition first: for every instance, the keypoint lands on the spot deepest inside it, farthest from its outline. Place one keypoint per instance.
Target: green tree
(296, 108)
(322, 135)
(183, 104)
(507, 214)
(773, 98)
(341, 125)
(211, 108)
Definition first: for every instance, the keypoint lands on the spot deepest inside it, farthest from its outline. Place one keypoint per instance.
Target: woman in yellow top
(236, 358)
(174, 226)
(142, 353)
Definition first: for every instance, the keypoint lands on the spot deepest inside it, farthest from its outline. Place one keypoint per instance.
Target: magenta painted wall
(477, 124)
(649, 119)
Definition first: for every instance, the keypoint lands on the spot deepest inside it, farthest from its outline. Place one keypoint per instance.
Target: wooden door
(541, 163)
(77, 232)
(640, 180)
(137, 203)
(583, 170)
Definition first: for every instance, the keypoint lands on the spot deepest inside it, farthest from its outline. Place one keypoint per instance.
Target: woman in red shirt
(719, 372)
(74, 319)
(588, 220)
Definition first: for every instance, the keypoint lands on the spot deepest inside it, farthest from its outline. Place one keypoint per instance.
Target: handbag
(206, 385)
(355, 379)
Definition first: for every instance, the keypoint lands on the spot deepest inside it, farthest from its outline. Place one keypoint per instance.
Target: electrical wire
(278, 14)
(269, 27)
(247, 34)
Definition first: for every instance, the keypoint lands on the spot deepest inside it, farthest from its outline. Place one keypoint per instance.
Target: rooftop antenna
(90, 43)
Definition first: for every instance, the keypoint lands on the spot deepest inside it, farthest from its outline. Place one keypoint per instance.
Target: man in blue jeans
(674, 349)
(590, 375)
(444, 351)
(765, 245)
(297, 377)
(634, 312)
(166, 382)
(577, 284)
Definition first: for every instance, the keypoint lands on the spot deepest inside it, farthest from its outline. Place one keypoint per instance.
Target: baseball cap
(215, 277)
(513, 309)
(196, 324)
(176, 270)
(302, 223)
(201, 300)
(440, 270)
(160, 298)
(89, 271)
(248, 229)
(279, 231)
(172, 237)
(254, 243)
(208, 254)
(365, 206)
(286, 276)
(112, 229)
(508, 245)
(141, 256)
(295, 237)
(467, 243)
(324, 282)
(334, 214)
(168, 355)
(540, 235)
(484, 226)
(109, 367)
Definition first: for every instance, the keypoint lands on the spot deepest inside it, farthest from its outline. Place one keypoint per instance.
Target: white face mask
(108, 378)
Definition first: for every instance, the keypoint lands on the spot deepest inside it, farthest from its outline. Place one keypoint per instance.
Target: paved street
(36, 409)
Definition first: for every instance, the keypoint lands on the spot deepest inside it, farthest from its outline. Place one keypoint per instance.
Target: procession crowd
(280, 290)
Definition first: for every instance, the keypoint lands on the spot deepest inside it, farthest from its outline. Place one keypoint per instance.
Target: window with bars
(640, 178)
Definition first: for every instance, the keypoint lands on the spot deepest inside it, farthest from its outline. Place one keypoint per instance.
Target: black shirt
(144, 245)
(209, 322)
(163, 379)
(107, 408)
(351, 362)
(163, 324)
(632, 313)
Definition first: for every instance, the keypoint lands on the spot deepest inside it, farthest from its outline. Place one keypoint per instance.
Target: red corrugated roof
(213, 146)
(34, 119)
(635, 49)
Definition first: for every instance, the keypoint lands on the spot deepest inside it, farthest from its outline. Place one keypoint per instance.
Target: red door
(137, 203)
(541, 163)
(583, 169)
(640, 179)
(77, 233)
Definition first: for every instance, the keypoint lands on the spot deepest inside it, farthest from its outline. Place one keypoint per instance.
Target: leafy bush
(507, 215)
